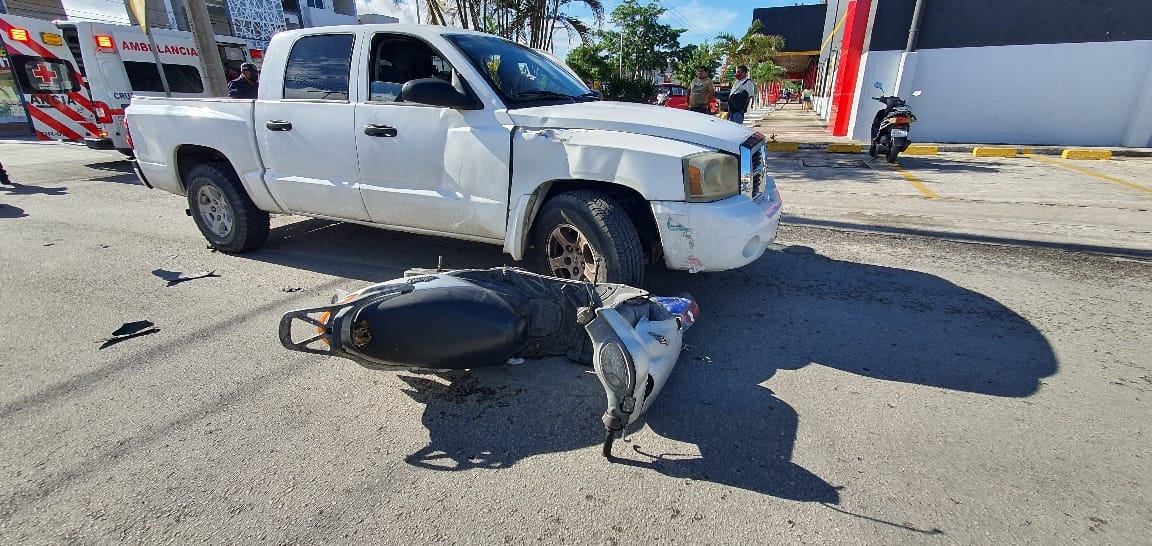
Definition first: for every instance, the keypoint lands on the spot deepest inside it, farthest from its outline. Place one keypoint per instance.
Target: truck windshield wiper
(531, 95)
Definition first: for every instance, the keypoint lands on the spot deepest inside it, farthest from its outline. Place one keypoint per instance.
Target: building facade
(1029, 72)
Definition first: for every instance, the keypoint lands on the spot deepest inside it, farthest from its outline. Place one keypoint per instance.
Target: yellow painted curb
(844, 148)
(981, 151)
(783, 147)
(1086, 154)
(922, 149)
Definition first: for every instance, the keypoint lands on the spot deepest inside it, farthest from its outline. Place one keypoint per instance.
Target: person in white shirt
(741, 96)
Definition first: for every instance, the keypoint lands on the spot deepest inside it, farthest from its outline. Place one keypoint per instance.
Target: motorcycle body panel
(471, 318)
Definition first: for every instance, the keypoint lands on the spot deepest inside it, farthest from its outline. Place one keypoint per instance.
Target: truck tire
(575, 228)
(225, 214)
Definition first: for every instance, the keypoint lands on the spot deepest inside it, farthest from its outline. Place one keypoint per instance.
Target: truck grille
(752, 168)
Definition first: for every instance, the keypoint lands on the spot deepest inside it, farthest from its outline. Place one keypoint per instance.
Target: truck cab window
(397, 60)
(318, 68)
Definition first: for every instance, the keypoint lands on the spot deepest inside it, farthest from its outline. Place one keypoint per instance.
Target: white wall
(326, 18)
(1085, 94)
(875, 66)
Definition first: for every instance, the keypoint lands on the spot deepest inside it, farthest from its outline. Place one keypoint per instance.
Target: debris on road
(292, 289)
(129, 330)
(177, 277)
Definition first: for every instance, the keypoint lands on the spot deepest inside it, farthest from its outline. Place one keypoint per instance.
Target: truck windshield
(520, 74)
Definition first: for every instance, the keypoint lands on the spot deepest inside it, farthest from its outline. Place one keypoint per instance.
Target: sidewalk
(791, 124)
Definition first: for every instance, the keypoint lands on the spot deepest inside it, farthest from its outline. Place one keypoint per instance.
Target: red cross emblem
(44, 73)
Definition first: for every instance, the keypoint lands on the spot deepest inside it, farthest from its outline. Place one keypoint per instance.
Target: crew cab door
(423, 167)
(306, 136)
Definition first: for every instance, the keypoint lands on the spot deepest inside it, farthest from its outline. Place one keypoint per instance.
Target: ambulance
(76, 78)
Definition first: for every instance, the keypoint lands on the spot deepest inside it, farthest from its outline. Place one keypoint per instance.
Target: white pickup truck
(448, 132)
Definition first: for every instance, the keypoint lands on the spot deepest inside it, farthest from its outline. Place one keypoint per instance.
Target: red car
(676, 96)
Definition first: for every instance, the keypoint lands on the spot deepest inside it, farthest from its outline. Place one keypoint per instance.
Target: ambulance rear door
(47, 74)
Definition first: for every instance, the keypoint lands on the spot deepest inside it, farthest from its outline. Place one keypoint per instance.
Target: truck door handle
(379, 130)
(279, 125)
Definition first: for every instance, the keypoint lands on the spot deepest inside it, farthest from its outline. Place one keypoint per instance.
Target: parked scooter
(434, 321)
(890, 126)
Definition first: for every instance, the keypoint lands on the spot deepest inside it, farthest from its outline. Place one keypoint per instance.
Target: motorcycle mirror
(878, 85)
(916, 93)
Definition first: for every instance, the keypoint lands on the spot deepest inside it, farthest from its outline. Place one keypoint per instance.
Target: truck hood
(644, 119)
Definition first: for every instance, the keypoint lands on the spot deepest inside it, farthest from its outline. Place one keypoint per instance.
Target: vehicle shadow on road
(122, 169)
(369, 254)
(797, 308)
(789, 310)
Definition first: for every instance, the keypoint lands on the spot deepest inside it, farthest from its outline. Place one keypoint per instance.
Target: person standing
(742, 92)
(247, 86)
(806, 99)
(701, 92)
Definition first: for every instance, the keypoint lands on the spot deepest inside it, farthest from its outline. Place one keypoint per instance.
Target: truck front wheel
(585, 235)
(225, 215)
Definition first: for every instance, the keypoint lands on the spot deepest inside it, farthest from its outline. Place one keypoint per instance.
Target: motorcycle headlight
(615, 368)
(711, 176)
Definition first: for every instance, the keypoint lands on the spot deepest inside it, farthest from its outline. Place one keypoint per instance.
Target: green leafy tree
(591, 61)
(693, 57)
(641, 44)
(751, 48)
(767, 72)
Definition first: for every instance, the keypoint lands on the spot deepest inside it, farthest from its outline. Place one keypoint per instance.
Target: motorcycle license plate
(899, 133)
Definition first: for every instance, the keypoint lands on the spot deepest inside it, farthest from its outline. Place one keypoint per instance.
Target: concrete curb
(974, 149)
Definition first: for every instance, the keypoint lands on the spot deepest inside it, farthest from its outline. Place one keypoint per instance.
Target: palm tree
(751, 48)
(532, 22)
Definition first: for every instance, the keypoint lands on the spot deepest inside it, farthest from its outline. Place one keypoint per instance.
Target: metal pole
(155, 52)
(159, 65)
(620, 65)
(914, 30)
(205, 40)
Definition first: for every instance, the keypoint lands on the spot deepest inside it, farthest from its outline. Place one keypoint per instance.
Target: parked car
(442, 131)
(722, 94)
(675, 95)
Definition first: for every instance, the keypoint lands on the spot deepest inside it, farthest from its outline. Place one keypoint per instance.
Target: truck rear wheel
(585, 235)
(225, 215)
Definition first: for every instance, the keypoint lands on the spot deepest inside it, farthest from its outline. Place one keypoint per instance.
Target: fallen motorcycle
(433, 321)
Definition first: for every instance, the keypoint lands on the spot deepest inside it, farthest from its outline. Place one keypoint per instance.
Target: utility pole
(201, 26)
(139, 12)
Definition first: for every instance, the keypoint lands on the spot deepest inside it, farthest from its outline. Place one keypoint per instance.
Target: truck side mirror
(437, 92)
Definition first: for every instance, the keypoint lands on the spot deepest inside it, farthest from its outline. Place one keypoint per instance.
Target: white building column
(1139, 133)
(905, 75)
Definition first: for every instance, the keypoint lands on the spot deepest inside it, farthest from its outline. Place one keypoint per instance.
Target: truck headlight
(711, 176)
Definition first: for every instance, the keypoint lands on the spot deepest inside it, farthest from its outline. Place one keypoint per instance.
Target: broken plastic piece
(177, 277)
(129, 330)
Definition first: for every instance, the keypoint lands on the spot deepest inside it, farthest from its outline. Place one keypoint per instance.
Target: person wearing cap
(247, 85)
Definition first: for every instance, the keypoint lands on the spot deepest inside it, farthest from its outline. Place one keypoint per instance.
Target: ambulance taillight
(105, 43)
(103, 113)
(18, 34)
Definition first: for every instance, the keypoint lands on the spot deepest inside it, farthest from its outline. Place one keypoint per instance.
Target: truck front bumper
(715, 236)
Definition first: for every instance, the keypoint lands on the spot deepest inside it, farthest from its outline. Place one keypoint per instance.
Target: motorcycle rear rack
(325, 330)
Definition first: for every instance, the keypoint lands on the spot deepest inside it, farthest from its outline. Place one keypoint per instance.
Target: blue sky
(703, 19)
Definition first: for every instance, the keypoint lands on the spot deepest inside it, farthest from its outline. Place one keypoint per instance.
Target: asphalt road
(851, 387)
